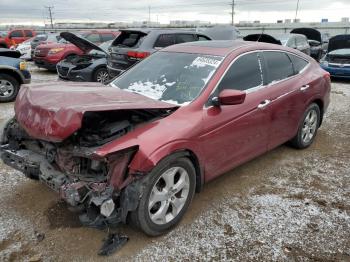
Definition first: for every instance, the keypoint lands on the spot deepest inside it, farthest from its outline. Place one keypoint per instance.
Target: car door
(236, 133)
(284, 87)
(16, 37)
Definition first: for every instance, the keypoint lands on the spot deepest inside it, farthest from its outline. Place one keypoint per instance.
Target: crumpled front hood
(54, 111)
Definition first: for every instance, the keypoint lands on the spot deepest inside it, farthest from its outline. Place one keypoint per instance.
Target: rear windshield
(129, 39)
(179, 80)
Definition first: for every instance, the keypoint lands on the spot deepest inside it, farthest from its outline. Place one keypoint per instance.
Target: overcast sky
(215, 11)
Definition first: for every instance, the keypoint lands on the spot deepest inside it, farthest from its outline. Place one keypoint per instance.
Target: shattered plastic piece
(107, 208)
(112, 244)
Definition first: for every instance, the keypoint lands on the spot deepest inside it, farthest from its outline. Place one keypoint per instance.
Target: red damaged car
(137, 150)
(47, 55)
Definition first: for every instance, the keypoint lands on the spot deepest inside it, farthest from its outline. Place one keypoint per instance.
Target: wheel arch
(195, 161)
(12, 73)
(191, 155)
(98, 67)
(320, 104)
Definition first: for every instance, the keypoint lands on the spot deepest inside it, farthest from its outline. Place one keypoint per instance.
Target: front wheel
(9, 88)
(101, 75)
(168, 192)
(308, 128)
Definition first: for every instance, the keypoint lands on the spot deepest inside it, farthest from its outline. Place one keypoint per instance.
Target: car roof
(161, 31)
(216, 47)
(225, 47)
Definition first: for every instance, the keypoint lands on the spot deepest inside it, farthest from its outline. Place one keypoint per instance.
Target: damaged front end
(101, 188)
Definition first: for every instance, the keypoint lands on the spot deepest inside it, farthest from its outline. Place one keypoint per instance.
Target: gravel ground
(286, 205)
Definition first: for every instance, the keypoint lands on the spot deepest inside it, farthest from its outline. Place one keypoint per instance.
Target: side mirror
(229, 97)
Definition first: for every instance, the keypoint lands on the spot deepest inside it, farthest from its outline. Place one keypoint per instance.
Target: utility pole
(296, 11)
(149, 16)
(50, 14)
(233, 12)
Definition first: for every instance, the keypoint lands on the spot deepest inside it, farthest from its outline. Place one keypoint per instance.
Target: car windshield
(176, 78)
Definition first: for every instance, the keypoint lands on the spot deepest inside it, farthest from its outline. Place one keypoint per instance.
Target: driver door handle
(304, 87)
(264, 104)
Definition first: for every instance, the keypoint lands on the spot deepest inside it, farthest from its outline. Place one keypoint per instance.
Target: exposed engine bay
(83, 59)
(84, 180)
(339, 59)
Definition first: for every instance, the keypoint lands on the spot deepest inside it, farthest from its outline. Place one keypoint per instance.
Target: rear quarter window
(298, 63)
(165, 40)
(184, 38)
(129, 39)
(203, 38)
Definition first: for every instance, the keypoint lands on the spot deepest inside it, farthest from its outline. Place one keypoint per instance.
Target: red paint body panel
(220, 137)
(8, 41)
(55, 113)
(41, 53)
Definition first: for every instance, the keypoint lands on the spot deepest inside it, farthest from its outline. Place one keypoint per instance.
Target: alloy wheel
(102, 76)
(6, 88)
(309, 126)
(168, 195)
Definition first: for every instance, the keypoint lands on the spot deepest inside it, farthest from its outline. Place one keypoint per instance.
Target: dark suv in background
(132, 46)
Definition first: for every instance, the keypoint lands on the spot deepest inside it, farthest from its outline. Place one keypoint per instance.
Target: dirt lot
(286, 205)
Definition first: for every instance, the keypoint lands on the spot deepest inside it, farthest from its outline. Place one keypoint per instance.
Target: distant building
(185, 23)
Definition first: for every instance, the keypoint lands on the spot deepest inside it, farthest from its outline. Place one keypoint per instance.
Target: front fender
(144, 162)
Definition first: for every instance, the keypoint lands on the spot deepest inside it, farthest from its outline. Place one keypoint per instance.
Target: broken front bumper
(99, 202)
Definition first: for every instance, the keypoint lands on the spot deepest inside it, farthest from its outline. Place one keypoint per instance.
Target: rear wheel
(308, 128)
(169, 190)
(9, 87)
(101, 75)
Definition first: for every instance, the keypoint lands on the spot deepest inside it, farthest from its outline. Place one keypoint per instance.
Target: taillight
(138, 55)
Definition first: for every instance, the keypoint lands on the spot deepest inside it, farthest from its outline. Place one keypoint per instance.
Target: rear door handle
(305, 87)
(264, 104)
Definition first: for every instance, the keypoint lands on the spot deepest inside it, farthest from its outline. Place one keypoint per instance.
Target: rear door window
(184, 38)
(165, 40)
(298, 63)
(245, 73)
(28, 33)
(278, 66)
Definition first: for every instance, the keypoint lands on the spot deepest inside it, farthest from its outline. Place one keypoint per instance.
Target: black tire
(99, 71)
(140, 218)
(298, 141)
(14, 84)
